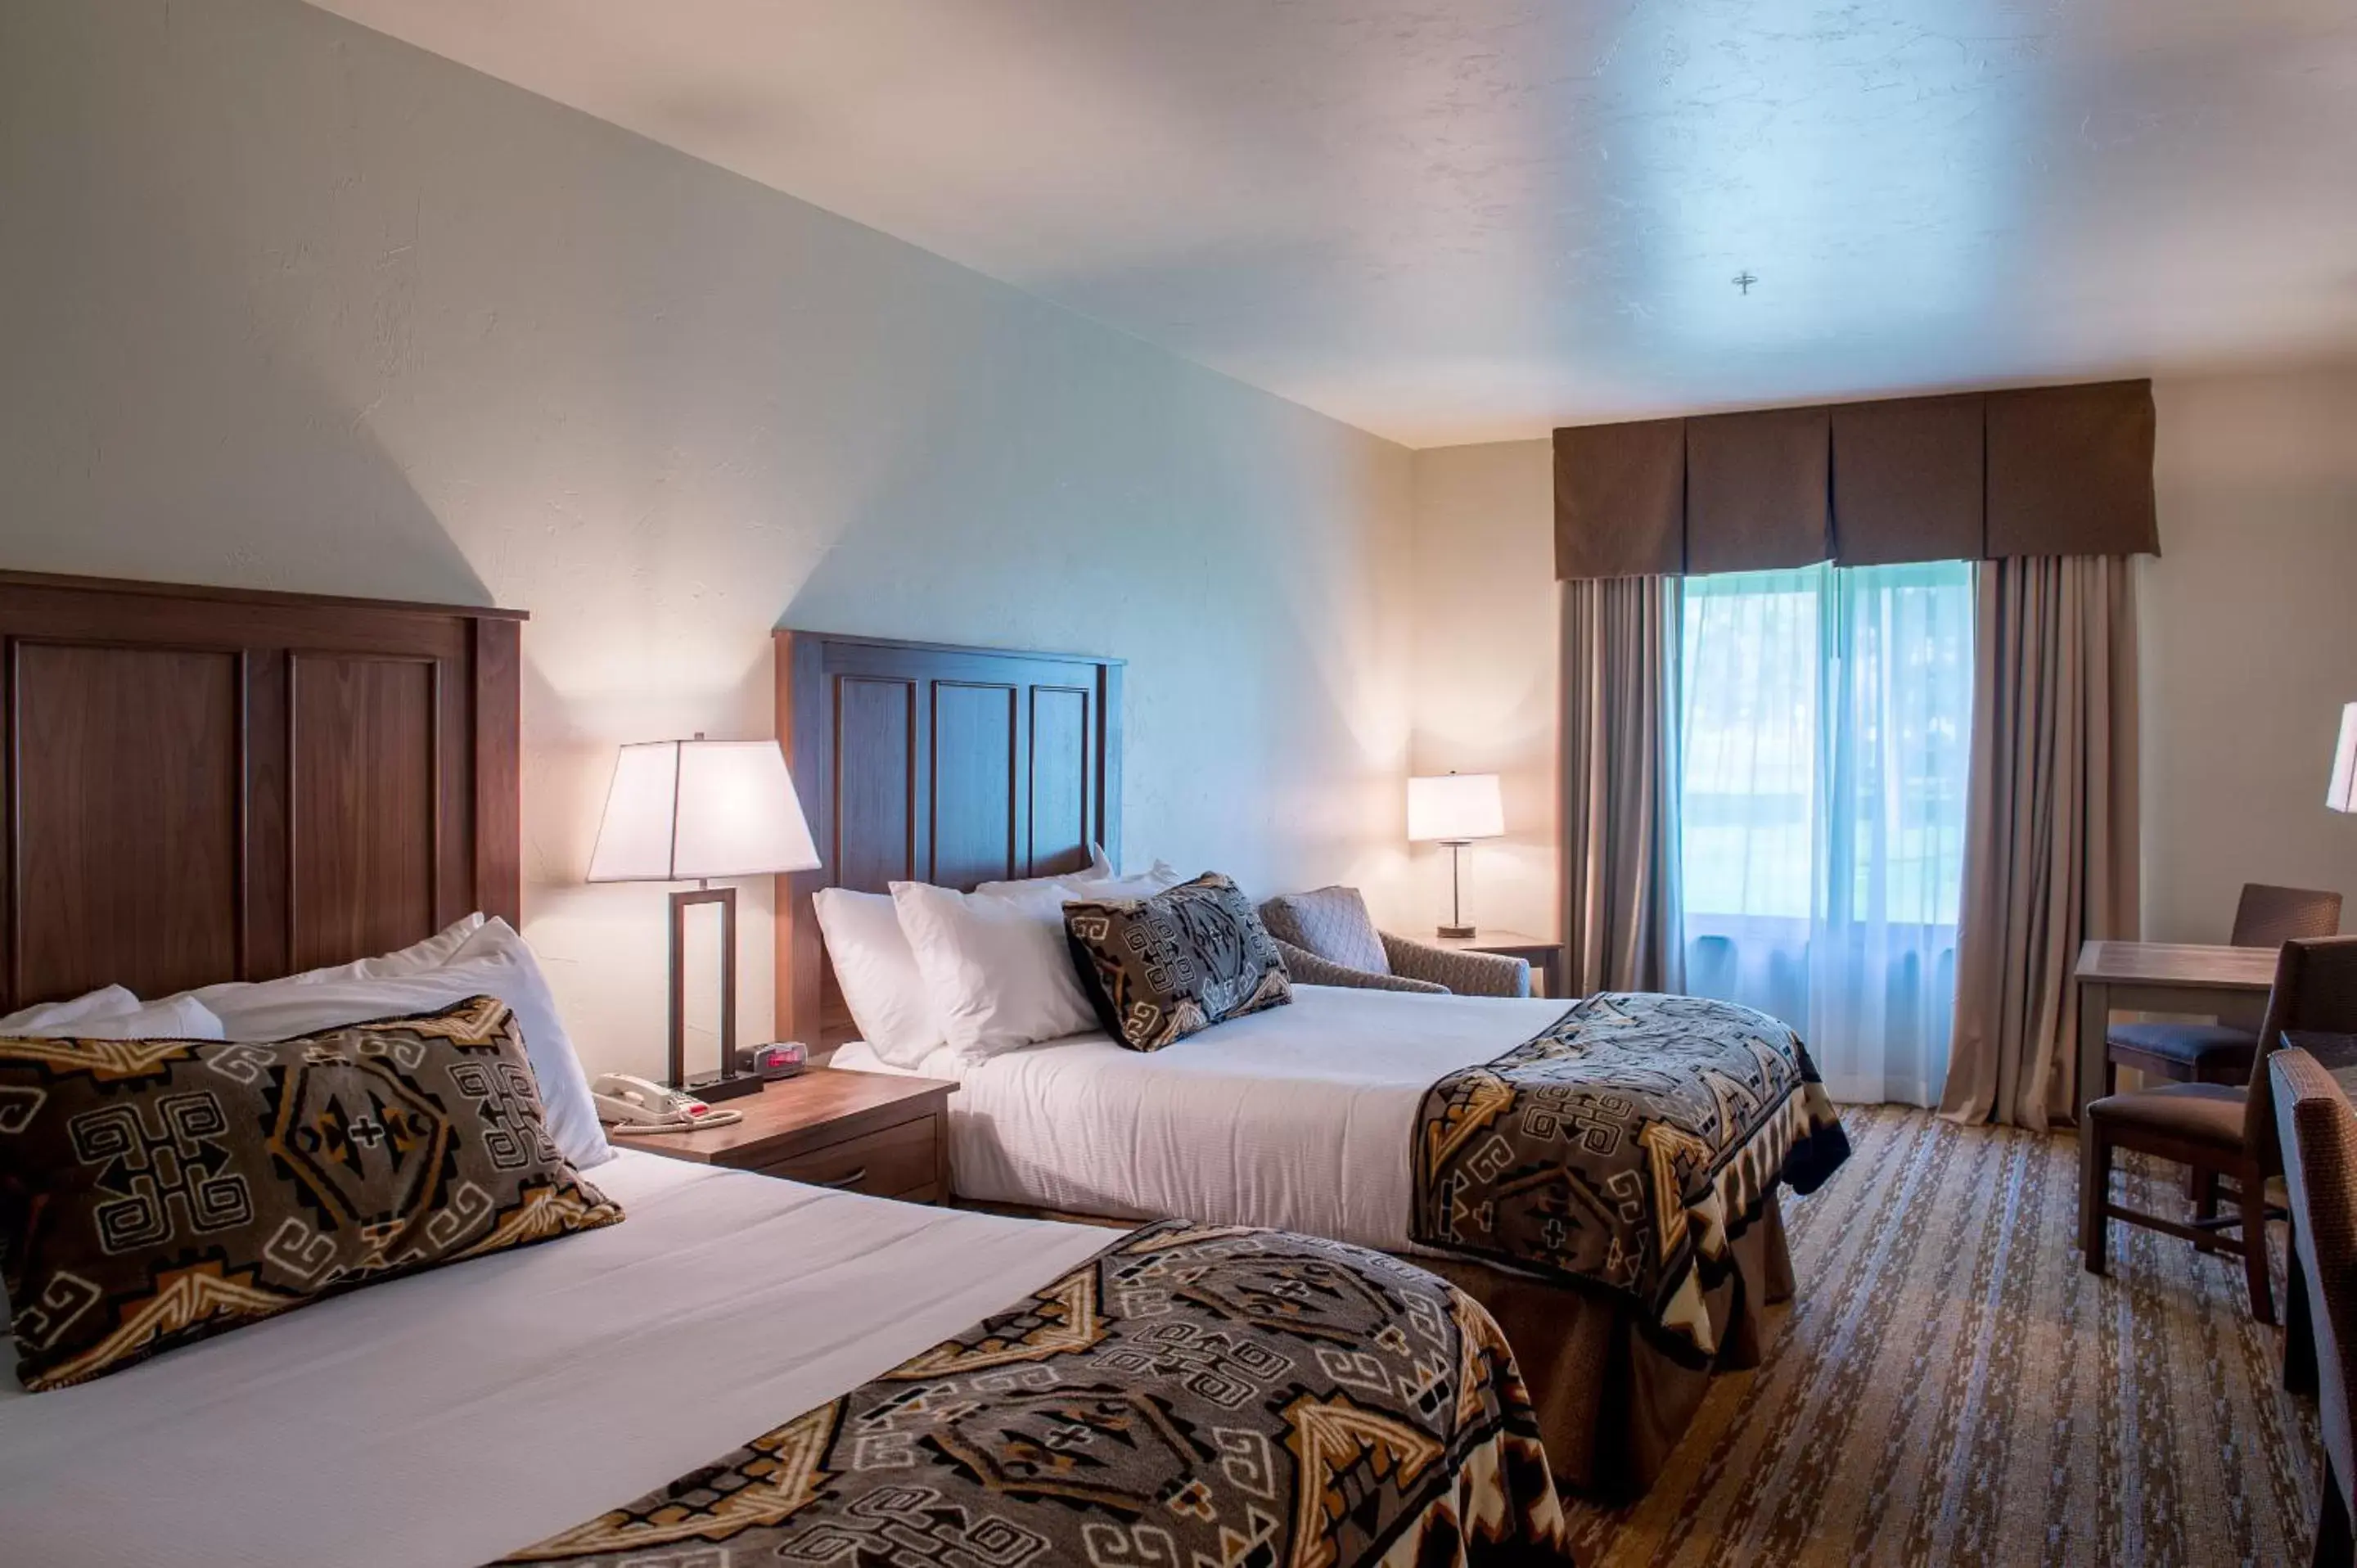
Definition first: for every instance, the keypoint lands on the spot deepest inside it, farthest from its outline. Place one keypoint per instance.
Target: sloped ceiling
(1475, 220)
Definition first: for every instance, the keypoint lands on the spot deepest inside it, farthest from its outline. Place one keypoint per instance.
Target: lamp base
(1457, 931)
(715, 1089)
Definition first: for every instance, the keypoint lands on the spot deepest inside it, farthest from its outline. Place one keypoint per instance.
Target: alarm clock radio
(781, 1058)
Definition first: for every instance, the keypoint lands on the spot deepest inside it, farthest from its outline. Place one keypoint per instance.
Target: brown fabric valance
(1620, 500)
(2037, 472)
(1907, 482)
(2069, 471)
(1756, 490)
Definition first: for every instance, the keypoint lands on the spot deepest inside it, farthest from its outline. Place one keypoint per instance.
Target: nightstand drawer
(899, 1161)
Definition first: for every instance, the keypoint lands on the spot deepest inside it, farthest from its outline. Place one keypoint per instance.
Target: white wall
(2249, 623)
(285, 304)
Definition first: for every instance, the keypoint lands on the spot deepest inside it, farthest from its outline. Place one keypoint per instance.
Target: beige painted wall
(1484, 687)
(285, 304)
(2249, 625)
(2249, 643)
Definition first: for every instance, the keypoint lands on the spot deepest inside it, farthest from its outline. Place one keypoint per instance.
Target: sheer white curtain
(1825, 727)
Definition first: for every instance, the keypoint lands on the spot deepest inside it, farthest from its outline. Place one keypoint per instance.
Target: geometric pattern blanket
(1626, 1146)
(1190, 1396)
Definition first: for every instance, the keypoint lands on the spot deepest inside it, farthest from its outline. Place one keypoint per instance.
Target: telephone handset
(631, 1105)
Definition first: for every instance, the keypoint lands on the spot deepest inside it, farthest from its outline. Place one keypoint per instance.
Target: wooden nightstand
(1543, 956)
(874, 1133)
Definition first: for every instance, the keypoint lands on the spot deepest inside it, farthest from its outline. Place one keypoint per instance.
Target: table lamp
(1455, 809)
(2343, 794)
(683, 810)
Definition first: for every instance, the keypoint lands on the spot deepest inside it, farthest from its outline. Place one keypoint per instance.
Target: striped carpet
(1951, 1386)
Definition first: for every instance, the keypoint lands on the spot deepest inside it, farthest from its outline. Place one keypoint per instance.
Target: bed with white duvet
(455, 1416)
(615, 1357)
(1301, 1117)
(1515, 1144)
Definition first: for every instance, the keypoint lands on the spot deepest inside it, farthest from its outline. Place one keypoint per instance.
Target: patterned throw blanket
(1190, 1396)
(1625, 1145)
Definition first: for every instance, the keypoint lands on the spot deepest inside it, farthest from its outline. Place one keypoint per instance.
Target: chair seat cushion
(2195, 1045)
(2212, 1113)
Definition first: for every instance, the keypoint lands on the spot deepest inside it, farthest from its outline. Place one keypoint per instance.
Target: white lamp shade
(2343, 795)
(1455, 806)
(682, 810)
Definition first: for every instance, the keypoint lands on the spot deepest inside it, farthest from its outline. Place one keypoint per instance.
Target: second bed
(1306, 1118)
(1602, 1175)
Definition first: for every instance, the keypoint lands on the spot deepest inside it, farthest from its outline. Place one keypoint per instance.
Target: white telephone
(633, 1105)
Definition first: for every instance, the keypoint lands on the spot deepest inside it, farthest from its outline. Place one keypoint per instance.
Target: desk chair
(2221, 1133)
(2218, 1053)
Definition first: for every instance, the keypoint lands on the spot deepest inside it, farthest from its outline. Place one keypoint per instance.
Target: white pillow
(432, 953)
(492, 961)
(996, 966)
(181, 1017)
(1097, 870)
(1160, 878)
(877, 971)
(49, 1017)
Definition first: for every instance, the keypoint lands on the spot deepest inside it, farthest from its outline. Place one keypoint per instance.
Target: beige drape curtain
(1620, 733)
(2050, 833)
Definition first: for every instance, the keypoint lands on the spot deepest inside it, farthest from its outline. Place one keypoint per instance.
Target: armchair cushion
(1306, 968)
(1331, 922)
(1467, 973)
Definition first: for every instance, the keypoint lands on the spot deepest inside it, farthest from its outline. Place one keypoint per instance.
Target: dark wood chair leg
(2201, 1186)
(2094, 1192)
(2300, 1335)
(2252, 1187)
(2334, 1547)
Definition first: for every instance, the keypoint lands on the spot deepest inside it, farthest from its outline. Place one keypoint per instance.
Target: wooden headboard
(924, 763)
(204, 784)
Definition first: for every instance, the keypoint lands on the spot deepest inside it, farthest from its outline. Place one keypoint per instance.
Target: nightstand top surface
(1489, 941)
(817, 1106)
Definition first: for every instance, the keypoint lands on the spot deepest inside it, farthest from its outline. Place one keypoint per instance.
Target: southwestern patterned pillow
(1161, 969)
(154, 1192)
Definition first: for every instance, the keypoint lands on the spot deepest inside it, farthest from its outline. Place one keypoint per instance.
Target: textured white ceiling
(1462, 221)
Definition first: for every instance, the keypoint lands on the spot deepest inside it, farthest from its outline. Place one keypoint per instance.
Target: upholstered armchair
(2318, 1133)
(1328, 938)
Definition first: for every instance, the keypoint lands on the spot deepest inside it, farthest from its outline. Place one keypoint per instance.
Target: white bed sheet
(460, 1414)
(1296, 1118)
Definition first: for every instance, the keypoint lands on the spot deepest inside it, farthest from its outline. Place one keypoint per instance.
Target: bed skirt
(1612, 1402)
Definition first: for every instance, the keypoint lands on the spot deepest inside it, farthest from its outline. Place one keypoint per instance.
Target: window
(1824, 725)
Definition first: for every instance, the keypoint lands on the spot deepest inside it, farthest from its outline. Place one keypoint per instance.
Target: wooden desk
(2229, 984)
(1543, 956)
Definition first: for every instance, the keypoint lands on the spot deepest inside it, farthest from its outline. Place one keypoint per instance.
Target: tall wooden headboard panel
(204, 784)
(925, 763)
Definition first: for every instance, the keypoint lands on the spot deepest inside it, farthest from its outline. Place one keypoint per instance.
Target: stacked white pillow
(996, 965)
(112, 1013)
(983, 972)
(476, 957)
(877, 971)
